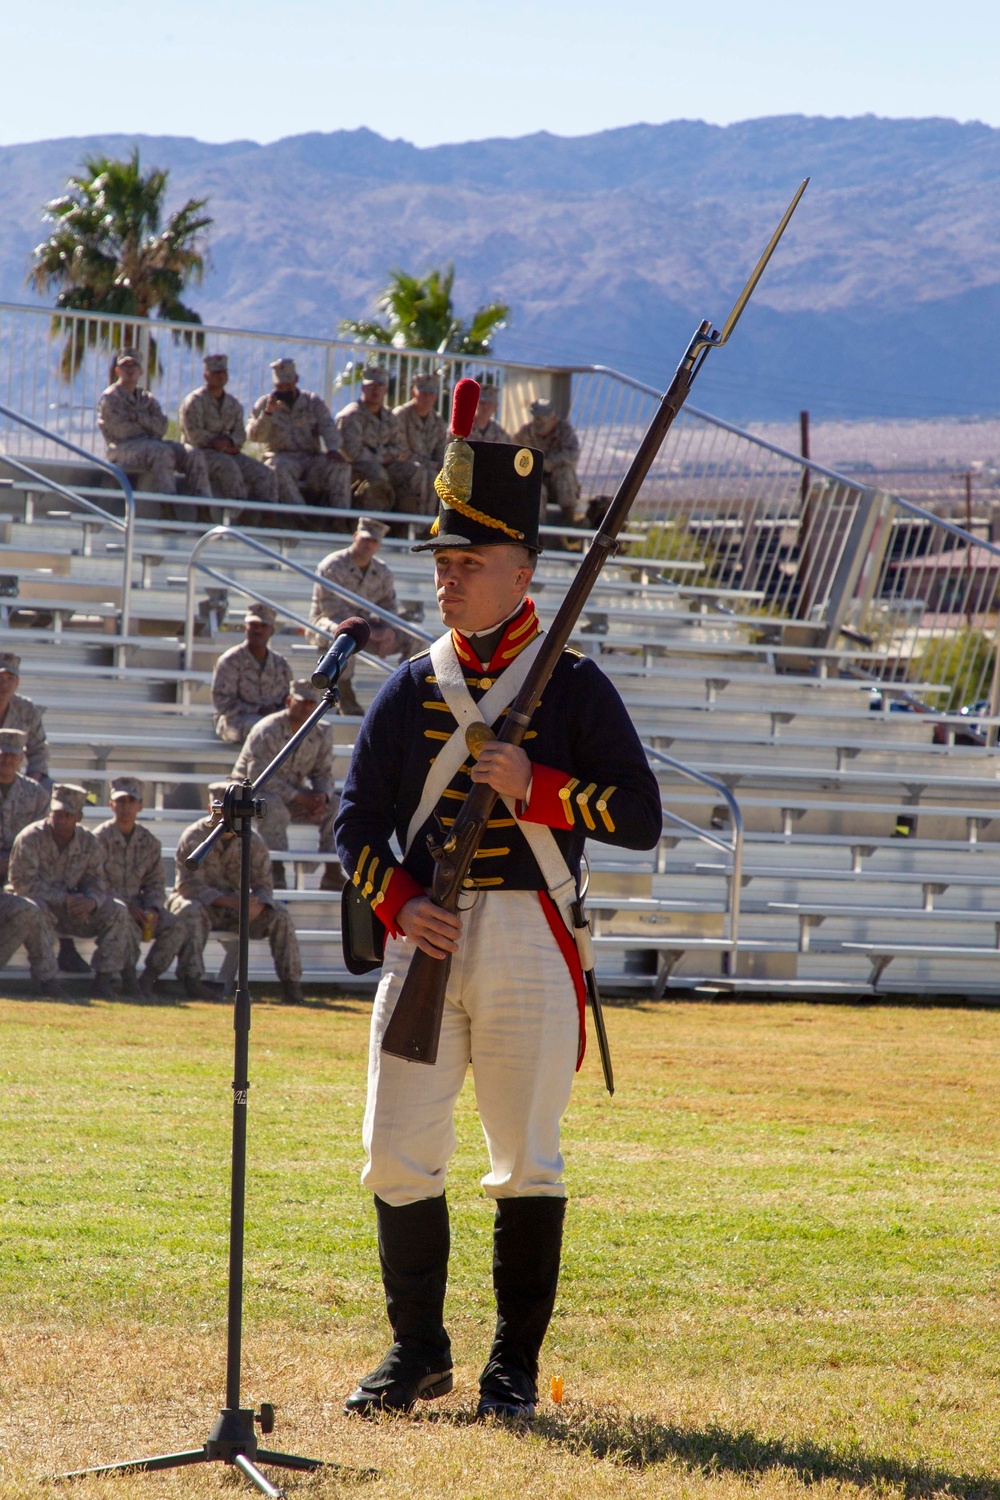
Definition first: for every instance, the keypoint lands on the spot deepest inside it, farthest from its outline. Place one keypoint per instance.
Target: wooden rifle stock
(415, 1025)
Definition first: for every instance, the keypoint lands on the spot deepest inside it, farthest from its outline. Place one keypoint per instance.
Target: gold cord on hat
(454, 486)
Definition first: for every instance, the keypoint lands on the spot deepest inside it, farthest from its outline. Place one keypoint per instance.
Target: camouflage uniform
(46, 875)
(234, 476)
(381, 477)
(18, 919)
(21, 803)
(133, 868)
(424, 440)
(291, 438)
(245, 689)
(308, 768)
(491, 433)
(328, 609)
(133, 426)
(23, 714)
(219, 875)
(562, 451)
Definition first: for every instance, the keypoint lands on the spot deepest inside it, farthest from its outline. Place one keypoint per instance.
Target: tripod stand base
(231, 1441)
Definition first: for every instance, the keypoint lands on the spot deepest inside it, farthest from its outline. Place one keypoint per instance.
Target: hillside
(885, 300)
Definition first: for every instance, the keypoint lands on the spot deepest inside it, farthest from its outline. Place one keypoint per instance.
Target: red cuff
(545, 805)
(389, 902)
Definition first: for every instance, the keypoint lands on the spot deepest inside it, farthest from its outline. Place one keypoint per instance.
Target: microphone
(352, 635)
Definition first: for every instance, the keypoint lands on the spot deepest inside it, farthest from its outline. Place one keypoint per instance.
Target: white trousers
(511, 1011)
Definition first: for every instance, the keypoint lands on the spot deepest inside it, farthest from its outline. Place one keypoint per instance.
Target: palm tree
(421, 316)
(109, 254)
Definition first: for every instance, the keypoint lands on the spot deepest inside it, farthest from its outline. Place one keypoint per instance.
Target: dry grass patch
(781, 1267)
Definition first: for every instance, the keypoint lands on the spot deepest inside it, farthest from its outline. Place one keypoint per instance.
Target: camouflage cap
(66, 797)
(9, 662)
(13, 741)
(217, 362)
(283, 371)
(542, 408)
(427, 383)
(375, 375)
(262, 612)
(127, 786)
(488, 392)
(303, 688)
(368, 526)
(128, 356)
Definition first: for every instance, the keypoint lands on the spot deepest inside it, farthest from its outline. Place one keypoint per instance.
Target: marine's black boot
(527, 1241)
(413, 1245)
(69, 960)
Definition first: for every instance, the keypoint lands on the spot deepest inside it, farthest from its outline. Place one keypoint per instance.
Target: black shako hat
(489, 493)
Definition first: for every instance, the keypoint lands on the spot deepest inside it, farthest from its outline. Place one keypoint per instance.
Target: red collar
(520, 632)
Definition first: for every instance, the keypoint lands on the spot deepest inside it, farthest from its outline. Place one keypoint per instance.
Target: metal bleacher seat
(872, 854)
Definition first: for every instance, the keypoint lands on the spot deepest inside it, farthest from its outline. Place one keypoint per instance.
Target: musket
(415, 1025)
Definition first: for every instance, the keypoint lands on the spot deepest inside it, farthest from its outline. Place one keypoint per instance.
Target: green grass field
(781, 1267)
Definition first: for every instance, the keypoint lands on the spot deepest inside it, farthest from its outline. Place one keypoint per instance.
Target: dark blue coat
(592, 780)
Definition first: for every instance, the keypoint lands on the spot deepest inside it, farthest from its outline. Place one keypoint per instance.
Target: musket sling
(559, 879)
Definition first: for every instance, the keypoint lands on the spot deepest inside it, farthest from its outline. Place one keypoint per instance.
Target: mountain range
(882, 300)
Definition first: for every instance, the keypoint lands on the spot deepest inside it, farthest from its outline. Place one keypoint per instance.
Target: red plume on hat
(490, 493)
(454, 483)
(463, 407)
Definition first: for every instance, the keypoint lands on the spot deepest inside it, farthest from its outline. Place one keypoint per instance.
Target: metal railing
(734, 880)
(231, 533)
(38, 348)
(126, 526)
(826, 560)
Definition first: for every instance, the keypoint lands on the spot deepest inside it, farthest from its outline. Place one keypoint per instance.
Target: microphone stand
(232, 1439)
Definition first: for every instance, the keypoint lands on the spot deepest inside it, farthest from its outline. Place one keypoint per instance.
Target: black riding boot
(527, 1240)
(413, 1245)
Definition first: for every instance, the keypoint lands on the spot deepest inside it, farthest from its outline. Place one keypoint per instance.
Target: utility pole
(970, 573)
(807, 520)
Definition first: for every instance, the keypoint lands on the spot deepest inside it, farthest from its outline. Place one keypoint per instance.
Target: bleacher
(870, 854)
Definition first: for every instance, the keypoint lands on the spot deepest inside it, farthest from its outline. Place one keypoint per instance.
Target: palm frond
(488, 321)
(109, 254)
(420, 314)
(368, 333)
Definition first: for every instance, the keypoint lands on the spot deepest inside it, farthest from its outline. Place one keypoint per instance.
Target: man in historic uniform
(514, 1001)
(424, 433)
(249, 681)
(212, 421)
(302, 790)
(133, 425)
(18, 712)
(207, 899)
(133, 869)
(301, 440)
(381, 476)
(486, 428)
(22, 801)
(557, 439)
(359, 569)
(59, 866)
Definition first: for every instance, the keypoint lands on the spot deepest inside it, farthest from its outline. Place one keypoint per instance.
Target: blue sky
(432, 70)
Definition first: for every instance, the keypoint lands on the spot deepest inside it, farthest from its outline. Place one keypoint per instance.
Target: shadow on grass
(640, 1442)
(170, 996)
